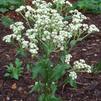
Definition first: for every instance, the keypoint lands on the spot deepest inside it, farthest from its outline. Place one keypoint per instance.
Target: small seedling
(14, 70)
(97, 68)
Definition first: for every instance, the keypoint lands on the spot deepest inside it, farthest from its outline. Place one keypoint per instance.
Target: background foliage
(6, 5)
(93, 6)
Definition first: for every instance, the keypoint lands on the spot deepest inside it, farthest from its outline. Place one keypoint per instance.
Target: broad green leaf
(18, 63)
(6, 21)
(59, 71)
(54, 88)
(3, 10)
(73, 43)
(36, 71)
(16, 75)
(6, 5)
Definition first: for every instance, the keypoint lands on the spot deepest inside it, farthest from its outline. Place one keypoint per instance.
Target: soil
(89, 85)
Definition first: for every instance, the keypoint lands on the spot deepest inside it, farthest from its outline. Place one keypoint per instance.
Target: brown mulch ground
(89, 85)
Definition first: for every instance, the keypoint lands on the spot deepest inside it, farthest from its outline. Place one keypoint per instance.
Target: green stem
(26, 20)
(85, 36)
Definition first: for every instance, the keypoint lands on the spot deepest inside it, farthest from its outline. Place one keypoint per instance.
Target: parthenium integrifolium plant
(48, 32)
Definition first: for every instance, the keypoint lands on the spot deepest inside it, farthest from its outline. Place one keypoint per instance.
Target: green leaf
(3, 2)
(37, 87)
(21, 52)
(97, 68)
(10, 67)
(71, 82)
(92, 6)
(48, 98)
(59, 71)
(16, 75)
(6, 5)
(42, 68)
(67, 17)
(28, 67)
(53, 88)
(73, 43)
(35, 71)
(6, 21)
(3, 10)
(18, 63)
(6, 74)
(14, 71)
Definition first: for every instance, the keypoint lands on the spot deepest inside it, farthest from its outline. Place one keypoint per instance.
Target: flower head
(73, 75)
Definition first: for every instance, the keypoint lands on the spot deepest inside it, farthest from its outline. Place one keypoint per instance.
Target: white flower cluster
(67, 2)
(7, 38)
(77, 24)
(59, 1)
(47, 26)
(33, 48)
(62, 2)
(68, 57)
(73, 75)
(20, 8)
(77, 19)
(17, 28)
(78, 66)
(81, 65)
(92, 28)
(77, 16)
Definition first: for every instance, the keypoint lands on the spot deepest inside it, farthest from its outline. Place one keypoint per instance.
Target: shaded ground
(89, 85)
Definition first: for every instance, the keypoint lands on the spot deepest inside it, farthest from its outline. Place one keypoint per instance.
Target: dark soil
(89, 85)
